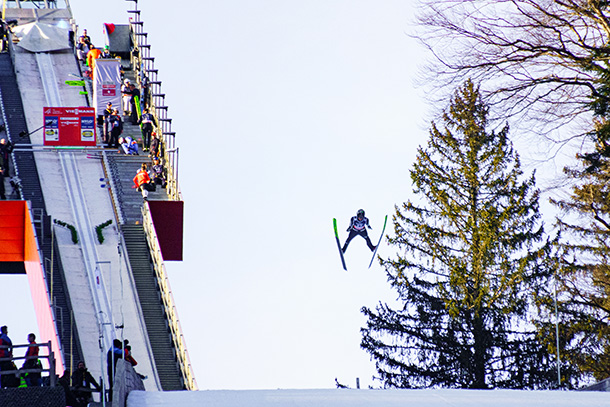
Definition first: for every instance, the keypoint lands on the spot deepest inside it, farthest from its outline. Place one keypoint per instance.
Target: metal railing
(116, 204)
(168, 300)
(144, 64)
(50, 357)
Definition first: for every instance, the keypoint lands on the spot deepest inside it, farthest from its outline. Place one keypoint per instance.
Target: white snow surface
(361, 398)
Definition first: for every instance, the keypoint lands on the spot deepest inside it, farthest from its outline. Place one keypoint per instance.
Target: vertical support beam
(51, 364)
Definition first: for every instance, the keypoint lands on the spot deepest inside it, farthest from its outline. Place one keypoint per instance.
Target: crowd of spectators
(135, 105)
(78, 386)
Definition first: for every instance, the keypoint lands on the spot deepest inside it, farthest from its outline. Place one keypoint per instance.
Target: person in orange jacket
(92, 55)
(141, 181)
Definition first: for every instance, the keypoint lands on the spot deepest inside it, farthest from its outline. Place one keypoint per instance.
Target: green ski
(379, 242)
(136, 100)
(339, 244)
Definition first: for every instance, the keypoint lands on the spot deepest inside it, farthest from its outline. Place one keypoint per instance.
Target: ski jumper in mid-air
(358, 226)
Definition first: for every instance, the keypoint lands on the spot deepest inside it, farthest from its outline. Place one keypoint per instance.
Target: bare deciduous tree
(540, 60)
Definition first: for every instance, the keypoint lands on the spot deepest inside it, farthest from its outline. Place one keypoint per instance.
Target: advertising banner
(69, 126)
(107, 84)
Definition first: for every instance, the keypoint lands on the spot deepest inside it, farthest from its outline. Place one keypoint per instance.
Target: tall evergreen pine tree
(584, 268)
(469, 254)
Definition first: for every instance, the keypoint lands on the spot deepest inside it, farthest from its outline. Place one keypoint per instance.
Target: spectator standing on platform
(6, 148)
(145, 86)
(6, 341)
(114, 354)
(81, 382)
(133, 103)
(32, 362)
(6, 351)
(107, 113)
(148, 122)
(126, 97)
(82, 49)
(116, 128)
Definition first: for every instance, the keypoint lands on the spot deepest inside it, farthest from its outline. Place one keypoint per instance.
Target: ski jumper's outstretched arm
(351, 224)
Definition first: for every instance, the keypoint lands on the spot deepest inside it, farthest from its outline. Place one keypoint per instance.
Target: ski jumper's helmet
(360, 212)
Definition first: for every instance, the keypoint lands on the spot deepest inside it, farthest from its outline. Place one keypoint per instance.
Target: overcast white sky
(287, 113)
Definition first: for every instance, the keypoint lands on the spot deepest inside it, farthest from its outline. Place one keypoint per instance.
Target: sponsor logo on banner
(109, 89)
(51, 129)
(87, 125)
(51, 135)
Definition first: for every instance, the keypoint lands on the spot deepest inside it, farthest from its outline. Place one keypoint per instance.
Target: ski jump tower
(92, 248)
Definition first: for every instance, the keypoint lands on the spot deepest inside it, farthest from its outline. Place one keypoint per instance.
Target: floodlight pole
(557, 335)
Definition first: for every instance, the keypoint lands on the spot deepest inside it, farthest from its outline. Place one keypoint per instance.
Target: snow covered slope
(362, 398)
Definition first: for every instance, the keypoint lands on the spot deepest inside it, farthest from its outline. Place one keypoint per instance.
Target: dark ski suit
(358, 227)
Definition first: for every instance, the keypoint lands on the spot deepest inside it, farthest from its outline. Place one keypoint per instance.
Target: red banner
(168, 218)
(69, 126)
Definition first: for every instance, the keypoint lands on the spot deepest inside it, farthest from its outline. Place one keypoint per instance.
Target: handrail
(168, 300)
(50, 357)
(143, 62)
(8, 134)
(127, 263)
(116, 205)
(11, 51)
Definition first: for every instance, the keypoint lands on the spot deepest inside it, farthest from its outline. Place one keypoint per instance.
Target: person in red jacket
(128, 357)
(141, 181)
(32, 362)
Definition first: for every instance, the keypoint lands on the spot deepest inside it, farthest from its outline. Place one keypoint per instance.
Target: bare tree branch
(538, 61)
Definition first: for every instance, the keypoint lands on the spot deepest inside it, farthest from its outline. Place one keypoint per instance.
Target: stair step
(152, 307)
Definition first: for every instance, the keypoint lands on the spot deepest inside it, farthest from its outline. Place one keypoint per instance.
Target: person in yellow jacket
(141, 180)
(92, 55)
